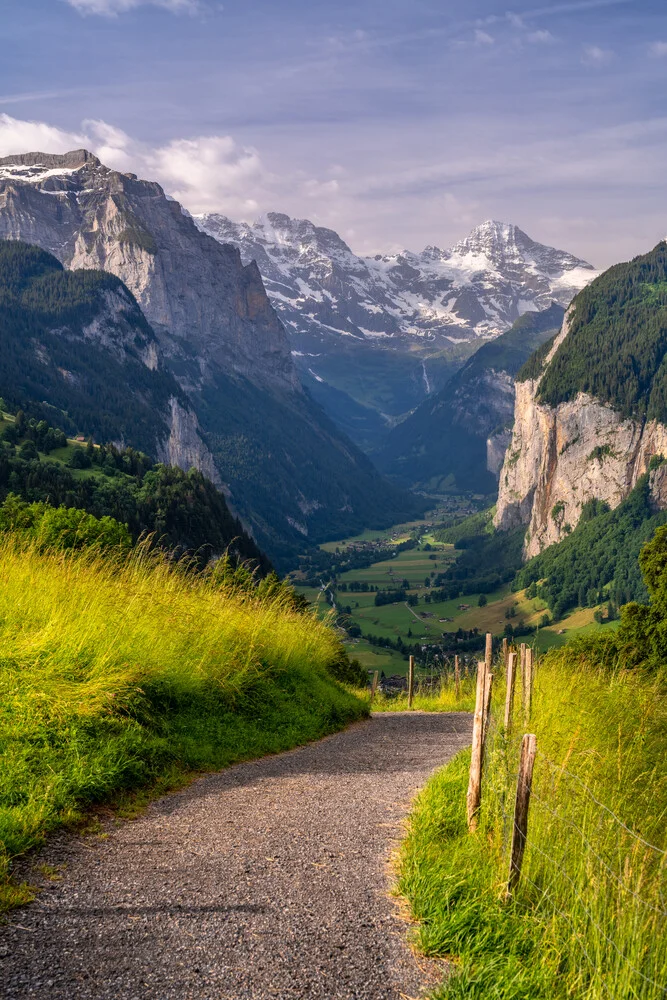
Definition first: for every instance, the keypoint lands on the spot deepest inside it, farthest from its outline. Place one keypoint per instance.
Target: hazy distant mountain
(457, 439)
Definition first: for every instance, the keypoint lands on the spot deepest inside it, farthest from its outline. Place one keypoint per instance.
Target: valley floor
(266, 880)
(428, 623)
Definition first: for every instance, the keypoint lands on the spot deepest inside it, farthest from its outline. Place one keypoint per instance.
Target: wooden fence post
(374, 686)
(457, 677)
(520, 829)
(488, 685)
(411, 680)
(523, 667)
(528, 688)
(505, 648)
(474, 796)
(509, 692)
(488, 655)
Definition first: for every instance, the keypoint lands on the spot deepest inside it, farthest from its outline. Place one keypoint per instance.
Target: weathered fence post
(520, 829)
(374, 686)
(523, 666)
(509, 691)
(488, 655)
(505, 648)
(488, 685)
(457, 677)
(411, 680)
(528, 687)
(474, 795)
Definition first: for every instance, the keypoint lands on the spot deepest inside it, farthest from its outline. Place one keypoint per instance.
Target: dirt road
(267, 881)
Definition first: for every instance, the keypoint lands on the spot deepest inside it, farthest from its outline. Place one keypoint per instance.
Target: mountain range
(234, 404)
(372, 337)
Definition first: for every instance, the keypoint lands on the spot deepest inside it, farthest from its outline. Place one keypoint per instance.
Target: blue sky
(398, 123)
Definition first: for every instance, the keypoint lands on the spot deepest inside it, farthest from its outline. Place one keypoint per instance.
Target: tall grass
(432, 695)
(118, 674)
(589, 920)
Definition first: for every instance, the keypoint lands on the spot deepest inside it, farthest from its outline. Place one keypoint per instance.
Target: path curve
(266, 881)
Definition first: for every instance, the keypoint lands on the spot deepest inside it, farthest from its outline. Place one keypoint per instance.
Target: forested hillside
(184, 510)
(73, 349)
(615, 350)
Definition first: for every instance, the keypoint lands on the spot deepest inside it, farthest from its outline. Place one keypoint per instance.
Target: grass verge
(118, 676)
(589, 920)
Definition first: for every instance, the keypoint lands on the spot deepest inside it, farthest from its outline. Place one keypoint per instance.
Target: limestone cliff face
(562, 456)
(196, 293)
(184, 447)
(117, 328)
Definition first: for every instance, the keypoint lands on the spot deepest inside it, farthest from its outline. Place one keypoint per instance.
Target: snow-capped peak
(477, 288)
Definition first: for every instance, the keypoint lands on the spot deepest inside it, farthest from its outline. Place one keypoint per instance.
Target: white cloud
(18, 136)
(593, 55)
(658, 49)
(110, 8)
(320, 189)
(483, 38)
(540, 37)
(205, 173)
(514, 19)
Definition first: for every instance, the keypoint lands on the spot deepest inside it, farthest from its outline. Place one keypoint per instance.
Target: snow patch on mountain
(477, 288)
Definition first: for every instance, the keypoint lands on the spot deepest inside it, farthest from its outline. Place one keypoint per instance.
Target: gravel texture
(266, 881)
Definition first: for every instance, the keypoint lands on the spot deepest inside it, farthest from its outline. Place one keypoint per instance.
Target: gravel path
(266, 881)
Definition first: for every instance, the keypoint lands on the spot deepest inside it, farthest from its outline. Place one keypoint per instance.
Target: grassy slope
(589, 920)
(116, 677)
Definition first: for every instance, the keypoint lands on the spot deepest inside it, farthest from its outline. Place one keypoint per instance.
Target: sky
(398, 123)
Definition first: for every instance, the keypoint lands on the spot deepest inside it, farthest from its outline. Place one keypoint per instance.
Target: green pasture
(413, 565)
(374, 658)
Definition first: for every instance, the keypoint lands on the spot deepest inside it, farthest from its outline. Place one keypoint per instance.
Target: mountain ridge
(311, 261)
(374, 337)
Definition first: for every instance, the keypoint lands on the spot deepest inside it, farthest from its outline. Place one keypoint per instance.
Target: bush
(62, 527)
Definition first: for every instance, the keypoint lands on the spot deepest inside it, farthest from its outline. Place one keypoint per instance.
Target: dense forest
(616, 346)
(184, 510)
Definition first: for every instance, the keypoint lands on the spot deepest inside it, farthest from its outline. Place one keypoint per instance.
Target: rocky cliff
(564, 454)
(196, 292)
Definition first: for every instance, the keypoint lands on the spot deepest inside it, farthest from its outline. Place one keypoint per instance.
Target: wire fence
(596, 886)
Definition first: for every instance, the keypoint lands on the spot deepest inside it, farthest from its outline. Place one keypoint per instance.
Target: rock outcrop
(184, 447)
(562, 456)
